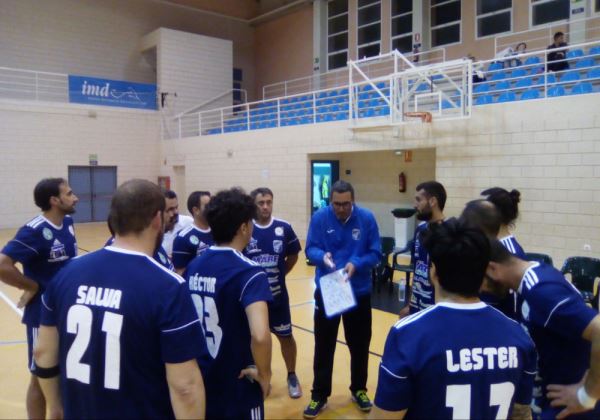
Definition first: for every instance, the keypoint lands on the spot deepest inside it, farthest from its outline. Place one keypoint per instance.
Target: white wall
(42, 140)
(548, 149)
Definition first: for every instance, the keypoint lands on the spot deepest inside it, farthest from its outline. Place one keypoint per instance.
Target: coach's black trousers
(357, 330)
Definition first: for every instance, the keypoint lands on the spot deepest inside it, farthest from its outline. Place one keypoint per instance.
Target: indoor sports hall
(294, 95)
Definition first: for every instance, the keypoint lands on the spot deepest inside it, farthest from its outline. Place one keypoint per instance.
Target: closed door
(94, 185)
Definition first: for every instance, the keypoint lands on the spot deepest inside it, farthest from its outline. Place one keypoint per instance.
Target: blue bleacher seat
(364, 95)
(384, 110)
(380, 85)
(530, 94)
(423, 87)
(594, 50)
(575, 53)
(498, 76)
(481, 88)
(321, 95)
(580, 88)
(532, 60)
(367, 88)
(525, 82)
(341, 99)
(507, 97)
(484, 99)
(570, 76)
(495, 66)
(594, 73)
(556, 91)
(584, 63)
(363, 104)
(344, 91)
(334, 108)
(518, 73)
(503, 85)
(446, 104)
(550, 79)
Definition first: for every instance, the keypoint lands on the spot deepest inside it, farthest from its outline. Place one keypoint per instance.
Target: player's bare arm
(290, 262)
(258, 320)
(186, 389)
(583, 395)
(521, 412)
(10, 275)
(378, 413)
(46, 360)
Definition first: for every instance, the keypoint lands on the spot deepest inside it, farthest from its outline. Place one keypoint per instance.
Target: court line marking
(8, 343)
(338, 340)
(295, 305)
(10, 303)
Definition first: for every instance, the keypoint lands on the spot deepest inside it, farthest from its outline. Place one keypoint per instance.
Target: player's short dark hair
(342, 187)
(484, 215)
(434, 189)
(45, 189)
(134, 205)
(227, 211)
(499, 253)
(461, 254)
(558, 34)
(506, 202)
(261, 191)
(194, 199)
(170, 194)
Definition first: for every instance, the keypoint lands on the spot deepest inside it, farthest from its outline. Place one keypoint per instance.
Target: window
(493, 17)
(548, 11)
(238, 78)
(445, 22)
(369, 28)
(402, 32)
(597, 6)
(337, 34)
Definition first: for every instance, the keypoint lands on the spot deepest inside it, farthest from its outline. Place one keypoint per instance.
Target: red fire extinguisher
(402, 182)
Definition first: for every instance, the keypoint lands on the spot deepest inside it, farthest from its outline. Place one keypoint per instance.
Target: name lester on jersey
(479, 358)
(107, 298)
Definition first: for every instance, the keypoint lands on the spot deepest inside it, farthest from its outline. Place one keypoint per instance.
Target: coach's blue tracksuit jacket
(356, 241)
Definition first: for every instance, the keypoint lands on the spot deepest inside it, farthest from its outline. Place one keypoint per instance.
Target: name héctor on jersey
(482, 357)
(107, 298)
(202, 284)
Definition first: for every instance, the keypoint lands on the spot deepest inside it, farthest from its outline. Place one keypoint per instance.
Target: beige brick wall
(548, 149)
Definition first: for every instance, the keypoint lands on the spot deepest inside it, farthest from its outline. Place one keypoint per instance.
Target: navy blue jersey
(190, 242)
(160, 255)
(43, 249)
(456, 361)
(555, 315)
(510, 243)
(120, 316)
(422, 293)
(269, 247)
(223, 283)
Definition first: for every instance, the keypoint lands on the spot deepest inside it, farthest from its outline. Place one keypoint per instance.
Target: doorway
(94, 185)
(324, 173)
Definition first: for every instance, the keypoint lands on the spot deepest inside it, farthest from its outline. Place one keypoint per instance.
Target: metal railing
(339, 78)
(33, 85)
(539, 38)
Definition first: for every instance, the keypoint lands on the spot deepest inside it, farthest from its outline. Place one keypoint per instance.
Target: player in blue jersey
(565, 330)
(343, 236)
(459, 358)
(160, 255)
(430, 200)
(507, 204)
(174, 221)
(42, 246)
(119, 335)
(275, 247)
(231, 294)
(194, 239)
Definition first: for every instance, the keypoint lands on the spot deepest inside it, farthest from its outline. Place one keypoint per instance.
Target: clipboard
(337, 293)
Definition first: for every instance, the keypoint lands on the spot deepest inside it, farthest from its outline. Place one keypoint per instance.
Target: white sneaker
(294, 388)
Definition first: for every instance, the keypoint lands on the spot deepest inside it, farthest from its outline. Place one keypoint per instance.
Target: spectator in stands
(520, 49)
(556, 59)
(478, 73)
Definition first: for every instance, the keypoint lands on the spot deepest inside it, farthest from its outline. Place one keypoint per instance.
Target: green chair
(542, 258)
(382, 273)
(583, 271)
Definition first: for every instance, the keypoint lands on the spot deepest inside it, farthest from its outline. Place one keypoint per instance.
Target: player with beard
(119, 334)
(42, 246)
(176, 221)
(430, 200)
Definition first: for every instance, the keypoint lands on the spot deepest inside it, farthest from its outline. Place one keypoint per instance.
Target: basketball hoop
(426, 117)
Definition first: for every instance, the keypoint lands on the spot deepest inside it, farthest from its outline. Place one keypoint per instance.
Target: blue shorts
(280, 317)
(32, 336)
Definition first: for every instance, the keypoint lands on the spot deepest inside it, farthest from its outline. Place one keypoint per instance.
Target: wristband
(45, 373)
(584, 399)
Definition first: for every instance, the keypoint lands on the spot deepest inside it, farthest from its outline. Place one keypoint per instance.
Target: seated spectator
(556, 59)
(478, 73)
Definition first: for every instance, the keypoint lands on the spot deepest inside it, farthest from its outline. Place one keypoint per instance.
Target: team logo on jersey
(201, 248)
(47, 234)
(163, 259)
(356, 234)
(252, 246)
(279, 231)
(194, 240)
(57, 252)
(277, 246)
(71, 230)
(525, 311)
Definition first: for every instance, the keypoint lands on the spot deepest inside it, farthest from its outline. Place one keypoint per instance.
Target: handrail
(219, 96)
